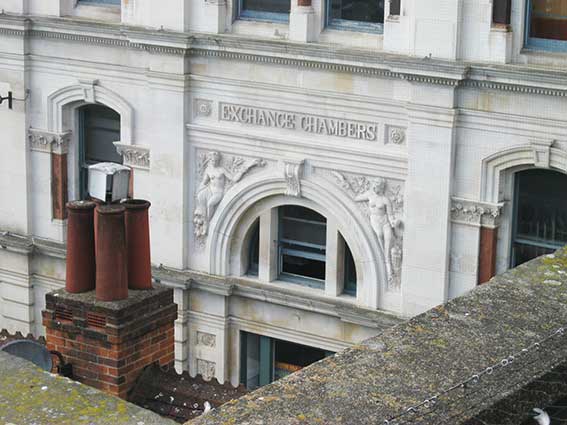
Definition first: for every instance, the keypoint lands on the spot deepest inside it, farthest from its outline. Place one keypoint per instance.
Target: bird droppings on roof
(179, 396)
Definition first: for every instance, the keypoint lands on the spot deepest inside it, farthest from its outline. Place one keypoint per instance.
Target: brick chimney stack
(106, 331)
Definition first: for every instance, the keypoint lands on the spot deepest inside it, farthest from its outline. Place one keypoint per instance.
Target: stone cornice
(49, 142)
(511, 78)
(134, 156)
(475, 213)
(243, 287)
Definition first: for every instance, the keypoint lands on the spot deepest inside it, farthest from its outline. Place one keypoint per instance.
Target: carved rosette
(216, 174)
(134, 156)
(203, 108)
(206, 369)
(475, 213)
(293, 172)
(47, 141)
(396, 135)
(384, 195)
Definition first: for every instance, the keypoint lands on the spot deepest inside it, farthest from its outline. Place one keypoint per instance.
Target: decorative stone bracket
(134, 156)
(49, 142)
(475, 213)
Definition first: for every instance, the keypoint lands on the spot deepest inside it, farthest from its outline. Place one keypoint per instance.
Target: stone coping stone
(30, 396)
(381, 378)
(135, 298)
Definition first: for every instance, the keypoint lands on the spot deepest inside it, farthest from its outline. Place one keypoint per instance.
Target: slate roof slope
(30, 396)
(440, 350)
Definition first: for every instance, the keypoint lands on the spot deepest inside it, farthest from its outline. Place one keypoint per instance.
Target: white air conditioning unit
(109, 181)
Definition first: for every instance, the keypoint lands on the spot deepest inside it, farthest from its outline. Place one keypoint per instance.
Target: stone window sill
(274, 30)
(354, 39)
(107, 13)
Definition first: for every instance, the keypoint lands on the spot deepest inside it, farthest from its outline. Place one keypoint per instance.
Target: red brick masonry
(110, 343)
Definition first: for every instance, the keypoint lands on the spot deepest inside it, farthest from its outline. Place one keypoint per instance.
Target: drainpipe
(111, 254)
(138, 243)
(80, 276)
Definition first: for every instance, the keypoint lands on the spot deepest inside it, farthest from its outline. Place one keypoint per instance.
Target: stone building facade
(313, 177)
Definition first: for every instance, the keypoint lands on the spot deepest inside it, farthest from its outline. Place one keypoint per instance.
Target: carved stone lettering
(306, 123)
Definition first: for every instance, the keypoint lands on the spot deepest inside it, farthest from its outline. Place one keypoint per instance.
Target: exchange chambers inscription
(272, 118)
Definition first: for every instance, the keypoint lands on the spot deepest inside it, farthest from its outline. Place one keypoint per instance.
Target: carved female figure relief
(214, 182)
(381, 218)
(384, 207)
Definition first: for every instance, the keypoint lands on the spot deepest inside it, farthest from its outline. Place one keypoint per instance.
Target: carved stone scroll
(293, 172)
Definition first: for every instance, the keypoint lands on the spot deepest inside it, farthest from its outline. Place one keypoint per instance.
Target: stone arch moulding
(332, 203)
(539, 154)
(85, 92)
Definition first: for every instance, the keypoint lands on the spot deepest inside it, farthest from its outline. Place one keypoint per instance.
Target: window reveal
(302, 246)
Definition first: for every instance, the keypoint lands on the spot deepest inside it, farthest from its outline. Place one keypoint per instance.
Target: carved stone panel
(382, 201)
(206, 339)
(206, 369)
(203, 108)
(395, 135)
(216, 174)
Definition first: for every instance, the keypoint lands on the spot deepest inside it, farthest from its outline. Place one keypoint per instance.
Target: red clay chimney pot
(111, 254)
(138, 243)
(80, 276)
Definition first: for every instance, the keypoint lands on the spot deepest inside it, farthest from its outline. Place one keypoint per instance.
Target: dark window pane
(541, 214)
(371, 11)
(302, 266)
(524, 252)
(290, 357)
(549, 19)
(271, 6)
(254, 253)
(350, 273)
(102, 129)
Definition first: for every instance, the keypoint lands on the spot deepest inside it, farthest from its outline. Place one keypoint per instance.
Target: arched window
(99, 128)
(540, 214)
(305, 244)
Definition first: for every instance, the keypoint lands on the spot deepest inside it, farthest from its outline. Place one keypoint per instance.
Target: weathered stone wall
(520, 314)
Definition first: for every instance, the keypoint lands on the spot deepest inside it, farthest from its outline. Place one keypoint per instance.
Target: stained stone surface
(30, 396)
(427, 355)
